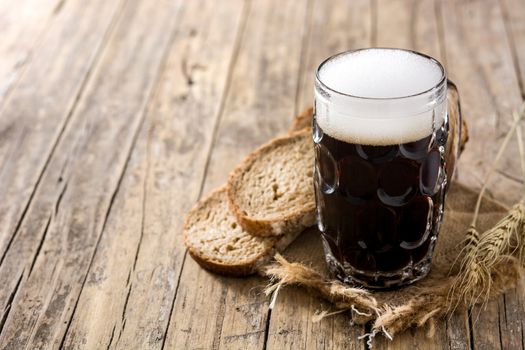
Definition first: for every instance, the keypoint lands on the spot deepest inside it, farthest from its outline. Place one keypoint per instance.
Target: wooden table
(116, 116)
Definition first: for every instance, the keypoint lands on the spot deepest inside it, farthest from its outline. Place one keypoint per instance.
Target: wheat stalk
(483, 251)
(520, 237)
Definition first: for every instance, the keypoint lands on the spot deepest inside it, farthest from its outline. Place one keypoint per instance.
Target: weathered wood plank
(408, 24)
(128, 303)
(511, 319)
(514, 16)
(335, 26)
(32, 121)
(34, 116)
(78, 187)
(21, 23)
(212, 311)
(480, 62)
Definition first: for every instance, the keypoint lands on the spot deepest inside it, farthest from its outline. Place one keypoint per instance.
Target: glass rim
(442, 80)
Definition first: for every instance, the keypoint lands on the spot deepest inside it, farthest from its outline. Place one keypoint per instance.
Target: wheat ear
(482, 251)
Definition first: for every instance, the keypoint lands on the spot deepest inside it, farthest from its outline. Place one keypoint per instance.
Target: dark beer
(379, 207)
(381, 134)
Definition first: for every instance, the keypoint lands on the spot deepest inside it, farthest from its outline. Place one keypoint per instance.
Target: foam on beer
(380, 100)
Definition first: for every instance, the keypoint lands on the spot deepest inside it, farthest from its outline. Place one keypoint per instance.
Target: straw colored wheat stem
(484, 251)
(495, 163)
(520, 246)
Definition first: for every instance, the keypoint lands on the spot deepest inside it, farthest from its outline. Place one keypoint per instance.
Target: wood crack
(46, 229)
(471, 329)
(60, 196)
(111, 338)
(367, 329)
(123, 317)
(142, 112)
(220, 318)
(7, 308)
(174, 299)
(61, 128)
(106, 216)
(235, 54)
(447, 334)
(267, 328)
(499, 323)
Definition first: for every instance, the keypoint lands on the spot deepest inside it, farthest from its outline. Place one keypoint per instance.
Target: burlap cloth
(416, 305)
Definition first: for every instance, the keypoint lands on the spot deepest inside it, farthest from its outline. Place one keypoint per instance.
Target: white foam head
(380, 96)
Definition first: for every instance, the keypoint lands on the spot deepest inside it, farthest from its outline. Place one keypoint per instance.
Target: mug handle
(457, 131)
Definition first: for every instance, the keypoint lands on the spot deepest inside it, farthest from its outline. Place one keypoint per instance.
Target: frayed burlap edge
(423, 309)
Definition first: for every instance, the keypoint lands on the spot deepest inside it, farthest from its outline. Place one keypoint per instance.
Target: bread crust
(245, 268)
(302, 121)
(298, 220)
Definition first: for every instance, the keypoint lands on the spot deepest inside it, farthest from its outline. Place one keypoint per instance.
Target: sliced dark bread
(217, 243)
(271, 191)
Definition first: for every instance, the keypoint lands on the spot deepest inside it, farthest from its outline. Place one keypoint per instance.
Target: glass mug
(385, 150)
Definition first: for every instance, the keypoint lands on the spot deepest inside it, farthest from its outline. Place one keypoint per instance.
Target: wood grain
(480, 62)
(134, 293)
(116, 116)
(232, 313)
(78, 187)
(31, 123)
(513, 12)
(22, 25)
(33, 117)
(334, 26)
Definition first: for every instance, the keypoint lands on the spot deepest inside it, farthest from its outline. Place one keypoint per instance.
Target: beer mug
(385, 151)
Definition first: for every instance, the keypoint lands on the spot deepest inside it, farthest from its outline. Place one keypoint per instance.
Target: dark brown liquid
(379, 207)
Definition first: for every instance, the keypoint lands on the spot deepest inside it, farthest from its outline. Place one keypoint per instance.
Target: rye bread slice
(217, 243)
(271, 191)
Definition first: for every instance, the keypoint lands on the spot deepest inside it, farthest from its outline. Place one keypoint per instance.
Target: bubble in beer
(381, 73)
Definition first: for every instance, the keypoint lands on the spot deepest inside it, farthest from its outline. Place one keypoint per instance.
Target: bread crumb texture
(277, 181)
(212, 233)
